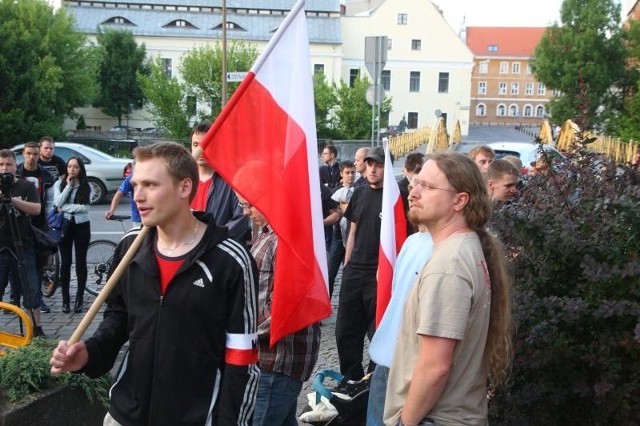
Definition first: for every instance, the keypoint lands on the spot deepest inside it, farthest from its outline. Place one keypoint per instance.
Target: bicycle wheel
(99, 255)
(51, 275)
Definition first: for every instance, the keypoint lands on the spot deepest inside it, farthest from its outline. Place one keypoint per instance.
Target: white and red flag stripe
(264, 145)
(393, 232)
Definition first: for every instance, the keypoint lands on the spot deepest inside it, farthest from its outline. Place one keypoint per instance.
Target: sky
(502, 13)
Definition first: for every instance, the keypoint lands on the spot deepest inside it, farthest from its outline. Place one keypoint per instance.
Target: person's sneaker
(39, 332)
(44, 308)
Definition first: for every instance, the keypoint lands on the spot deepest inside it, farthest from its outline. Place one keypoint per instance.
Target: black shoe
(77, 307)
(39, 332)
(44, 308)
(65, 308)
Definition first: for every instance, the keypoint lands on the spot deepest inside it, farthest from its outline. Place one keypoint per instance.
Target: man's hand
(68, 358)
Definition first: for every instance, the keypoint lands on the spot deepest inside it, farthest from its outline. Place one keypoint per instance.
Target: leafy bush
(573, 241)
(25, 372)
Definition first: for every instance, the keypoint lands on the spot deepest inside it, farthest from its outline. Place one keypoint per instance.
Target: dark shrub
(573, 241)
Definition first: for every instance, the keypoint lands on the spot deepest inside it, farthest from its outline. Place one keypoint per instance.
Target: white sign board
(236, 76)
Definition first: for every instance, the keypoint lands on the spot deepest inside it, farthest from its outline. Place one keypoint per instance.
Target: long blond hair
(464, 176)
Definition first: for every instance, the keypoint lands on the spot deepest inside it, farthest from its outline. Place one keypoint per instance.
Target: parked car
(157, 130)
(124, 129)
(526, 151)
(105, 173)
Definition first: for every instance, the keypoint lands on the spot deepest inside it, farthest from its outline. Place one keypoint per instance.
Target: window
(482, 88)
(353, 76)
(389, 44)
(180, 23)
(528, 68)
(118, 20)
(191, 103)
(167, 64)
(515, 68)
(502, 89)
(385, 79)
(504, 67)
(318, 68)
(481, 110)
(513, 110)
(528, 111)
(414, 81)
(515, 88)
(416, 44)
(501, 111)
(540, 111)
(528, 89)
(443, 82)
(542, 90)
(492, 48)
(402, 19)
(484, 67)
(412, 120)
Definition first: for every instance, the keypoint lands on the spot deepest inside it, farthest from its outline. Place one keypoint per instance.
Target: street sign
(236, 76)
(375, 55)
(373, 96)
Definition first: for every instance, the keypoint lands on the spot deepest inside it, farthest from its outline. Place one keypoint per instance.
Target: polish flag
(393, 232)
(264, 145)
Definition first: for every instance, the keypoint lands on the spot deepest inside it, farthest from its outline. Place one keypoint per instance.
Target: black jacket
(177, 370)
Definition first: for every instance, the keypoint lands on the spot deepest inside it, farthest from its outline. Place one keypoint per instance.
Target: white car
(528, 152)
(104, 172)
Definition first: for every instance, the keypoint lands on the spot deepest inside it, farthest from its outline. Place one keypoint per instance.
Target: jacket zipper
(155, 360)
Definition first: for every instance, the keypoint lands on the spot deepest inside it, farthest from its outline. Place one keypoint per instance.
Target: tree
(583, 59)
(121, 60)
(166, 101)
(325, 101)
(201, 70)
(45, 70)
(353, 113)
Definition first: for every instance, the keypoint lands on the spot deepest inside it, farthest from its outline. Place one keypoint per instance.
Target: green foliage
(325, 101)
(584, 59)
(25, 371)
(573, 240)
(45, 70)
(81, 124)
(201, 70)
(353, 113)
(166, 101)
(121, 60)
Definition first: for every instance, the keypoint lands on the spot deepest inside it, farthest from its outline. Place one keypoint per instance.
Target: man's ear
(462, 199)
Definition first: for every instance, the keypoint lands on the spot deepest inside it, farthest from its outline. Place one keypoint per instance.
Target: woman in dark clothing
(71, 195)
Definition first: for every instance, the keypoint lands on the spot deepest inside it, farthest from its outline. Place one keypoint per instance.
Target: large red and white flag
(393, 232)
(264, 145)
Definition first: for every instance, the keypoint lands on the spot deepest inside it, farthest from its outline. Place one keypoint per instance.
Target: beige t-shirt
(452, 299)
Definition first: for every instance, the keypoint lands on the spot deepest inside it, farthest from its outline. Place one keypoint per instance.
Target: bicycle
(99, 257)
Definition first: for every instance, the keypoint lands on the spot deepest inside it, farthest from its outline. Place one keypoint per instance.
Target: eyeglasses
(244, 206)
(428, 187)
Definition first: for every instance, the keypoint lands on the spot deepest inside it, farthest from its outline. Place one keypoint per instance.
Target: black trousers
(356, 318)
(78, 235)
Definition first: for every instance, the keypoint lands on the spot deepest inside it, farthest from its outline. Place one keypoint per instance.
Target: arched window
(528, 111)
(180, 23)
(481, 110)
(501, 110)
(513, 110)
(118, 20)
(540, 111)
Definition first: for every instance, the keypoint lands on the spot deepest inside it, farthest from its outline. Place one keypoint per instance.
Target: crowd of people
(194, 304)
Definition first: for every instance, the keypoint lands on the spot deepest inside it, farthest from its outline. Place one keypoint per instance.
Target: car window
(501, 153)
(66, 153)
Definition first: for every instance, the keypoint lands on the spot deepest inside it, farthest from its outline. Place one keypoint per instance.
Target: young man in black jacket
(187, 305)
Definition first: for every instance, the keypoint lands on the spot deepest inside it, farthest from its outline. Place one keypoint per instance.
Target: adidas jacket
(192, 352)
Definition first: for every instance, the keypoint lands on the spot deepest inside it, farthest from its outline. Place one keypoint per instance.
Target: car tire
(98, 191)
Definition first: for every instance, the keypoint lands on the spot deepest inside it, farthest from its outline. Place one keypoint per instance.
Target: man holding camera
(20, 200)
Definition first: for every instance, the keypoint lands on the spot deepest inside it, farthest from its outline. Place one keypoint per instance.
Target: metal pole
(224, 52)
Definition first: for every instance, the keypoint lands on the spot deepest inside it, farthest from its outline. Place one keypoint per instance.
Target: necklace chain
(187, 243)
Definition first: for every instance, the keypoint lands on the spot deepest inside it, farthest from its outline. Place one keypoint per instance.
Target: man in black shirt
(51, 162)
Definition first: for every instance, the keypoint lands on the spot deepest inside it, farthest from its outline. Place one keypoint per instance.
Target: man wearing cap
(357, 303)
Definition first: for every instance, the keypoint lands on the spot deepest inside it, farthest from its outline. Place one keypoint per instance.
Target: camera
(6, 185)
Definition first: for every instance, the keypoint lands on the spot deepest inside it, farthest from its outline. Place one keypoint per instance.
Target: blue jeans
(377, 395)
(277, 400)
(9, 270)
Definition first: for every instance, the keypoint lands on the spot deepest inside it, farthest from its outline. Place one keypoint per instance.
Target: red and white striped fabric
(264, 145)
(393, 232)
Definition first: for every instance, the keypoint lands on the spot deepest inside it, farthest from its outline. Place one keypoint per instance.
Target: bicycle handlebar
(119, 217)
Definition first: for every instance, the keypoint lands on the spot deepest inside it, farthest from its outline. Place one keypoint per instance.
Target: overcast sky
(504, 13)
